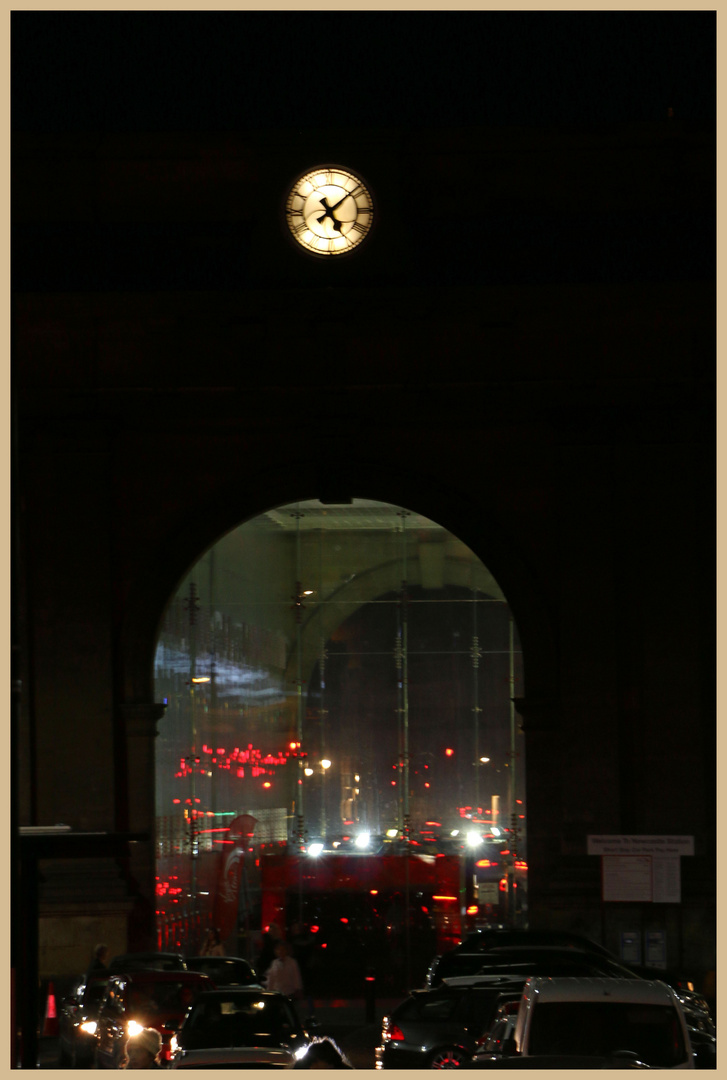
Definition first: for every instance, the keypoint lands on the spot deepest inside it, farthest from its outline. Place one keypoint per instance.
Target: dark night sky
(116, 71)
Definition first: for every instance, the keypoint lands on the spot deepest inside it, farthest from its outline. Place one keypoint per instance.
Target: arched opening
(340, 744)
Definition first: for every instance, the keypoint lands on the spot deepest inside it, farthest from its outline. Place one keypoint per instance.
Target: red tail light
(395, 1032)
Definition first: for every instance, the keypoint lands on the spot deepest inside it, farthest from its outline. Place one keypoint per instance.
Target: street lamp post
(325, 766)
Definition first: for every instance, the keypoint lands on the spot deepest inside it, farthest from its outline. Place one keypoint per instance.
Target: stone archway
(256, 565)
(160, 576)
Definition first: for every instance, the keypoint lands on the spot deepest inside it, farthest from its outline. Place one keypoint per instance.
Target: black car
(237, 1018)
(489, 938)
(145, 998)
(77, 1018)
(224, 970)
(146, 961)
(525, 960)
(496, 937)
(439, 1029)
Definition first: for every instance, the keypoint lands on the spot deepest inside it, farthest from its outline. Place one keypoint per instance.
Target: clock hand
(328, 212)
(342, 199)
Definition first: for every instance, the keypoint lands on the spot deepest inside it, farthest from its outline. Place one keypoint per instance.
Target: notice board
(641, 868)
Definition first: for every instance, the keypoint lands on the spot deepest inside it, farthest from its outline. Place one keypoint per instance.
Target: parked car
(139, 999)
(500, 1032)
(147, 961)
(491, 938)
(224, 1026)
(525, 960)
(439, 1029)
(556, 1062)
(631, 1018)
(495, 937)
(224, 970)
(252, 1057)
(77, 1017)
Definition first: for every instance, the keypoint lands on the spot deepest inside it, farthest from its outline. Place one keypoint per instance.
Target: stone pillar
(541, 729)
(140, 727)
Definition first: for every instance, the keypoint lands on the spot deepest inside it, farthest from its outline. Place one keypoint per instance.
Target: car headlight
(89, 1027)
(132, 1028)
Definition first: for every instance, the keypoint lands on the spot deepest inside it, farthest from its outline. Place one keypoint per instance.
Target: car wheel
(450, 1057)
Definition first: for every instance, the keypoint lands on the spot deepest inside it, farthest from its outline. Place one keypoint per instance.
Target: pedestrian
(143, 1050)
(99, 963)
(284, 973)
(323, 1053)
(213, 945)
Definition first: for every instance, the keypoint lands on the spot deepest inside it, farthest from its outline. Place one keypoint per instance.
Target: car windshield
(153, 1000)
(651, 1032)
(226, 1022)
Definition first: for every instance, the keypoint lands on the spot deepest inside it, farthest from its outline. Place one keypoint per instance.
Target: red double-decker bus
(382, 913)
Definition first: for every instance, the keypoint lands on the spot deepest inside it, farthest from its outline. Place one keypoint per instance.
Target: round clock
(329, 210)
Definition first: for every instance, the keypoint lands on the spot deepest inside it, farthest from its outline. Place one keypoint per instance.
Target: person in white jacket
(284, 973)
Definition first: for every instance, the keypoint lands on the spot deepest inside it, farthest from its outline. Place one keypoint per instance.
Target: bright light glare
(315, 849)
(363, 840)
(89, 1027)
(325, 764)
(133, 1028)
(308, 772)
(484, 760)
(391, 833)
(455, 832)
(495, 830)
(473, 839)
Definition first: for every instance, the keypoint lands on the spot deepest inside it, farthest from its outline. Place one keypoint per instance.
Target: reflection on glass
(330, 672)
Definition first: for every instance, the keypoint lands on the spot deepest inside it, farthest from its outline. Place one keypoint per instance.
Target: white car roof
(577, 988)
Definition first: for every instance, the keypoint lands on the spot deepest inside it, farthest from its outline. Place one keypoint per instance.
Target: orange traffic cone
(50, 1027)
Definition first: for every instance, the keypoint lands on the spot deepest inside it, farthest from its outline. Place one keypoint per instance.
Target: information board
(641, 868)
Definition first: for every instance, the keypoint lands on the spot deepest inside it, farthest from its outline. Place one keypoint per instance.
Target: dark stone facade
(524, 351)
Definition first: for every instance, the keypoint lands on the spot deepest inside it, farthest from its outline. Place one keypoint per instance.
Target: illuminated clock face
(329, 211)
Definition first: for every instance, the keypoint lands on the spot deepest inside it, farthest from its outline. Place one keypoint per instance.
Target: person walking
(99, 963)
(284, 973)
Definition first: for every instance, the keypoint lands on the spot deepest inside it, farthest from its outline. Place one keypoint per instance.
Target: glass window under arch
(338, 679)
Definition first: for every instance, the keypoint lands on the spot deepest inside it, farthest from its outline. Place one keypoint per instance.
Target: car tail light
(395, 1032)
